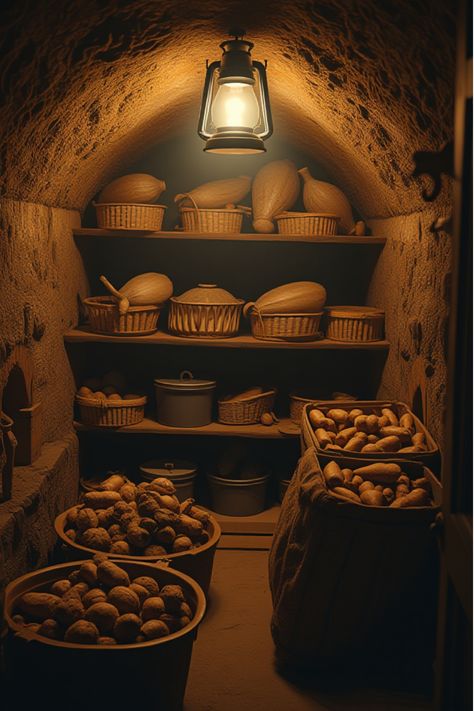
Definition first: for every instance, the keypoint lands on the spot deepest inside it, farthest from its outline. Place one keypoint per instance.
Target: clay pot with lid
(205, 311)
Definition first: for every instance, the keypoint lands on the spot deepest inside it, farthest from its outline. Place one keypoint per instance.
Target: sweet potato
(371, 448)
(355, 444)
(360, 423)
(338, 415)
(389, 444)
(408, 422)
(390, 415)
(342, 491)
(316, 417)
(332, 474)
(366, 486)
(372, 497)
(347, 474)
(372, 424)
(323, 437)
(417, 497)
(354, 413)
(419, 439)
(402, 433)
(386, 473)
(412, 449)
(345, 435)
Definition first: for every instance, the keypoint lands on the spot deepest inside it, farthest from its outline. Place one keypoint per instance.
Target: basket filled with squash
(213, 207)
(132, 310)
(128, 203)
(142, 522)
(376, 430)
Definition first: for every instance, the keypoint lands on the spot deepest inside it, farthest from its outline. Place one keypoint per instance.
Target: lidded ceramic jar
(205, 311)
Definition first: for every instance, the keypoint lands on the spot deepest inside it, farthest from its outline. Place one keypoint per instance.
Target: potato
(101, 499)
(94, 596)
(390, 415)
(38, 605)
(120, 547)
(51, 629)
(104, 640)
(355, 444)
(316, 417)
(323, 437)
(366, 486)
(371, 448)
(372, 497)
(346, 493)
(383, 421)
(155, 550)
(345, 435)
(332, 435)
(372, 424)
(86, 518)
(363, 436)
(404, 479)
(60, 587)
(126, 628)
(422, 483)
(163, 486)
(357, 480)
(172, 596)
(171, 621)
(82, 632)
(378, 487)
(148, 583)
(402, 490)
(139, 590)
(372, 439)
(149, 524)
(124, 599)
(339, 415)
(71, 534)
(347, 474)
(408, 422)
(138, 537)
(69, 611)
(97, 538)
(154, 629)
(389, 444)
(152, 608)
(332, 474)
(71, 517)
(105, 517)
(417, 497)
(103, 615)
(112, 575)
(379, 472)
(199, 514)
(88, 572)
(165, 536)
(333, 448)
(128, 492)
(389, 495)
(181, 544)
(355, 412)
(412, 449)
(419, 440)
(403, 434)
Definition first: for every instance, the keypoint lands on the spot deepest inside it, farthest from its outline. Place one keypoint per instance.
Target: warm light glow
(235, 106)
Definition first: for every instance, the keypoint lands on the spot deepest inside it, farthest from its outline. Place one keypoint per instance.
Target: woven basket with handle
(196, 219)
(105, 317)
(287, 327)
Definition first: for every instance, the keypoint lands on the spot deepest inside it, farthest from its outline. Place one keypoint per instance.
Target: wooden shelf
(80, 335)
(240, 237)
(280, 430)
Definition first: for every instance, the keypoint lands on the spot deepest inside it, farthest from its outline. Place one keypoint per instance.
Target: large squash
(275, 189)
(297, 297)
(319, 196)
(217, 193)
(138, 188)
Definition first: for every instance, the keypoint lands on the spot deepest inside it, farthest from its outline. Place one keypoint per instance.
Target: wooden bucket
(197, 563)
(46, 673)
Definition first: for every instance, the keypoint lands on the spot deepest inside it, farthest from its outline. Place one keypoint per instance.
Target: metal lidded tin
(184, 402)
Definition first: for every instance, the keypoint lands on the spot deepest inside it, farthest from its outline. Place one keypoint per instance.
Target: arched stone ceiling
(86, 86)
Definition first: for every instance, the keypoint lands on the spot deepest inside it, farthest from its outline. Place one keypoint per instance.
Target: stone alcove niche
(85, 94)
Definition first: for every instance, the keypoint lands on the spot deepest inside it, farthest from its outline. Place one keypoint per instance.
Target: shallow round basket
(62, 675)
(287, 327)
(129, 216)
(354, 323)
(247, 411)
(197, 562)
(204, 320)
(307, 223)
(206, 220)
(110, 413)
(105, 317)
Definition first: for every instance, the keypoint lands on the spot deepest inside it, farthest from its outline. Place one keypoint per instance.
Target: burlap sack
(350, 584)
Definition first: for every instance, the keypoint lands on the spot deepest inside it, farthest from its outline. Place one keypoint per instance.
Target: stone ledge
(40, 492)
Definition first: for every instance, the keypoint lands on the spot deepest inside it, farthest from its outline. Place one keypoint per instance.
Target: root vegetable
(163, 486)
(51, 629)
(148, 583)
(181, 544)
(345, 435)
(389, 495)
(88, 572)
(152, 608)
(69, 611)
(360, 423)
(333, 475)
(355, 444)
(97, 538)
(419, 440)
(402, 433)
(316, 417)
(103, 615)
(173, 597)
(120, 547)
(389, 444)
(342, 491)
(402, 490)
(60, 587)
(138, 537)
(112, 575)
(141, 591)
(372, 424)
(412, 449)
(323, 437)
(357, 480)
(390, 415)
(154, 629)
(366, 486)
(422, 483)
(338, 415)
(408, 422)
(353, 414)
(128, 492)
(372, 497)
(115, 481)
(93, 597)
(40, 606)
(347, 474)
(86, 518)
(124, 599)
(82, 632)
(126, 628)
(416, 497)
(379, 472)
(371, 448)
(101, 499)
(155, 550)
(106, 641)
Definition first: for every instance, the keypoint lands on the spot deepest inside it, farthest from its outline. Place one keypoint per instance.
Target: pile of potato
(382, 430)
(99, 604)
(113, 386)
(144, 519)
(378, 484)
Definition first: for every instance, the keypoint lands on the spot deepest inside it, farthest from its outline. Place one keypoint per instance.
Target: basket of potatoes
(108, 402)
(397, 484)
(120, 629)
(143, 522)
(371, 429)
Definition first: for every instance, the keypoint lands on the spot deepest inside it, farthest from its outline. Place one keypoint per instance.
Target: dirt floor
(232, 667)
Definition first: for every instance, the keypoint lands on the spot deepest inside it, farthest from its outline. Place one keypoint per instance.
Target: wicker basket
(207, 220)
(104, 317)
(286, 327)
(110, 413)
(354, 323)
(129, 216)
(297, 403)
(247, 411)
(307, 223)
(430, 457)
(204, 320)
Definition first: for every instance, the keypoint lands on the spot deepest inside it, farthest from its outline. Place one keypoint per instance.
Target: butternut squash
(319, 196)
(217, 193)
(275, 189)
(135, 187)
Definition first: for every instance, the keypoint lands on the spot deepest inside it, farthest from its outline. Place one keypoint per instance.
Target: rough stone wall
(411, 282)
(40, 492)
(41, 275)
(88, 85)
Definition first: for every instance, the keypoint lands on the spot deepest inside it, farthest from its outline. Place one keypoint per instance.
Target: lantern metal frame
(236, 66)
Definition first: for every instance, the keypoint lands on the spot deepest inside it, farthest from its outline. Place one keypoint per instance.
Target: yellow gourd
(319, 196)
(216, 194)
(275, 189)
(133, 188)
(296, 297)
(142, 290)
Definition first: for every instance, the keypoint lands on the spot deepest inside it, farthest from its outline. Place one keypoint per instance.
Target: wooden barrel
(197, 563)
(46, 673)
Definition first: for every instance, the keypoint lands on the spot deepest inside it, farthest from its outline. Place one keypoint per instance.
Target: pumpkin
(138, 188)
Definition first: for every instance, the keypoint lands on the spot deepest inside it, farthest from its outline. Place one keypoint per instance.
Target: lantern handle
(237, 32)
